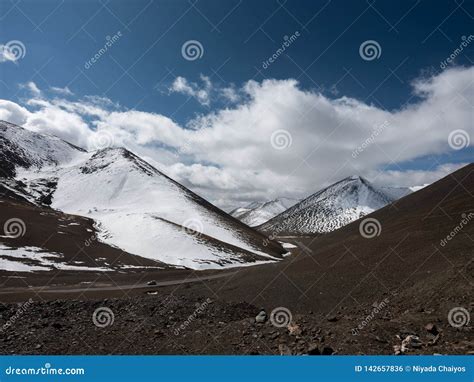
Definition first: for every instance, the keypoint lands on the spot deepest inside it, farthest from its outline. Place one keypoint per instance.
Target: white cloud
(32, 88)
(228, 156)
(63, 91)
(12, 112)
(408, 178)
(206, 92)
(201, 94)
(6, 54)
(230, 94)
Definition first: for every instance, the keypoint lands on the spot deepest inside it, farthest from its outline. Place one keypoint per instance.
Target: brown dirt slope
(72, 236)
(408, 256)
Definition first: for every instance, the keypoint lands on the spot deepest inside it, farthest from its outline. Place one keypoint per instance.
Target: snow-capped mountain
(26, 149)
(137, 208)
(332, 207)
(257, 213)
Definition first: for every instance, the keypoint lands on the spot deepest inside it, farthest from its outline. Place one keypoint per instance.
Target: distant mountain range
(323, 211)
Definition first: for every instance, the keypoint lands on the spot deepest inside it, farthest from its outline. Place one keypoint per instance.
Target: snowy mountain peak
(136, 207)
(354, 177)
(257, 213)
(114, 156)
(330, 208)
(26, 149)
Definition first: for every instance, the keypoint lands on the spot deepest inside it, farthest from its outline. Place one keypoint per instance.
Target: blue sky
(64, 35)
(139, 71)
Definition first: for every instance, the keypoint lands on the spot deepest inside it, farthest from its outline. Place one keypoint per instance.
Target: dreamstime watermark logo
(13, 50)
(45, 370)
(192, 50)
(110, 41)
(14, 228)
(270, 238)
(466, 40)
(287, 41)
(370, 228)
(281, 317)
(200, 308)
(370, 50)
(103, 317)
(273, 235)
(466, 218)
(193, 227)
(22, 309)
(458, 317)
(458, 139)
(375, 133)
(281, 139)
(102, 140)
(89, 241)
(376, 310)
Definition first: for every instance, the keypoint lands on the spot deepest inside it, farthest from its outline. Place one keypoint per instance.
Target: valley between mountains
(170, 273)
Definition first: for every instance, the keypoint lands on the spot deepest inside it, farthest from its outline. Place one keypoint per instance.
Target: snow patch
(42, 261)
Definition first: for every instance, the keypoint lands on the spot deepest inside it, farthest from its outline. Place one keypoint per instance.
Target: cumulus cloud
(12, 112)
(278, 140)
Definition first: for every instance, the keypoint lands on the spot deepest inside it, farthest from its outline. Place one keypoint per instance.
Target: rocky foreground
(160, 323)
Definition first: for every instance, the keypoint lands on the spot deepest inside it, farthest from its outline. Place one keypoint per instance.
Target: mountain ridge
(329, 208)
(127, 197)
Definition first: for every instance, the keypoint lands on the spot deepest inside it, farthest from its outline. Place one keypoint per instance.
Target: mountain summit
(331, 208)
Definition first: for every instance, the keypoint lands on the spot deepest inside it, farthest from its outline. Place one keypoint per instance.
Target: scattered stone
(410, 342)
(152, 282)
(431, 328)
(434, 340)
(261, 317)
(294, 329)
(406, 332)
(332, 318)
(397, 349)
(313, 350)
